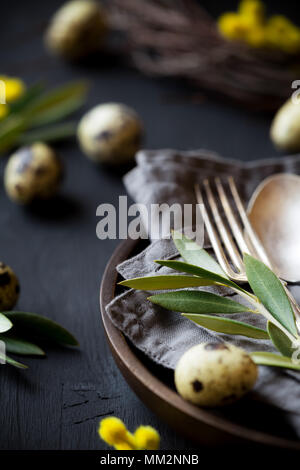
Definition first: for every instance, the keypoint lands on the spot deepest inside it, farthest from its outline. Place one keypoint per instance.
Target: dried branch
(179, 39)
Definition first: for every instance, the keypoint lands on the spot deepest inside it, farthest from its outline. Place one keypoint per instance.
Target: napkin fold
(167, 176)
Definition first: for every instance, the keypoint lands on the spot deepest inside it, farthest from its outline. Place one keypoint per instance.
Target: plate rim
(135, 372)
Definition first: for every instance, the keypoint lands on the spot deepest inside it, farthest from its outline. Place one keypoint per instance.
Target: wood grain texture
(58, 402)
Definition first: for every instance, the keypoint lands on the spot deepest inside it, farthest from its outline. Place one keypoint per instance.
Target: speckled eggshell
(285, 128)
(214, 374)
(110, 133)
(77, 29)
(9, 287)
(33, 172)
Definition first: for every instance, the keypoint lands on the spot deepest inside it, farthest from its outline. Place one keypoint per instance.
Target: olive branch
(200, 269)
(40, 114)
(19, 329)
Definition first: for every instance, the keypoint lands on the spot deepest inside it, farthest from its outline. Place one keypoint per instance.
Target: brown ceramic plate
(242, 423)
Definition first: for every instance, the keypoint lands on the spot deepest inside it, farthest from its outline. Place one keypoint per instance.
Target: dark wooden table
(58, 402)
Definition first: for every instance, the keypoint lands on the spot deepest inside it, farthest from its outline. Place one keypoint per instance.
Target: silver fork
(246, 241)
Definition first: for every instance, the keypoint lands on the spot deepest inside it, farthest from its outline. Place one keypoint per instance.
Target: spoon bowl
(274, 212)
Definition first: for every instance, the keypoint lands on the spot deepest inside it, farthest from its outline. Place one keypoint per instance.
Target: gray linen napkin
(168, 176)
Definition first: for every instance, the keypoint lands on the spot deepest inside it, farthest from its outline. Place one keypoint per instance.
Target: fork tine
(233, 223)
(244, 244)
(214, 239)
(224, 234)
(260, 251)
(248, 227)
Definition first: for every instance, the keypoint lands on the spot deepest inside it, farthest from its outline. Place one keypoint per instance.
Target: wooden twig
(179, 39)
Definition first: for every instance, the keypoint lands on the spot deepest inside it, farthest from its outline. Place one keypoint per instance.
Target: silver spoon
(274, 213)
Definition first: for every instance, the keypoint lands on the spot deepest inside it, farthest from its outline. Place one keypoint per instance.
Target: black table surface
(58, 402)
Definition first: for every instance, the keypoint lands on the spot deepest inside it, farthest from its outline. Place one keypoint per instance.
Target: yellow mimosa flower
(124, 446)
(147, 437)
(233, 26)
(11, 88)
(249, 25)
(253, 10)
(114, 432)
(283, 34)
(256, 37)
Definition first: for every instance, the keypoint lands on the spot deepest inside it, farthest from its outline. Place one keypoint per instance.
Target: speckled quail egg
(214, 374)
(77, 29)
(110, 133)
(33, 172)
(9, 287)
(285, 128)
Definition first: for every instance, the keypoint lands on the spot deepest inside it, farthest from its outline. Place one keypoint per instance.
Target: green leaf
(197, 302)
(58, 112)
(12, 362)
(27, 98)
(37, 108)
(198, 271)
(20, 346)
(270, 359)
(268, 288)
(280, 340)
(41, 326)
(227, 325)
(193, 254)
(49, 133)
(165, 282)
(54, 99)
(5, 323)
(10, 130)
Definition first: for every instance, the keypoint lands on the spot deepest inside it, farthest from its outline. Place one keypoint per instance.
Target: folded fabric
(168, 176)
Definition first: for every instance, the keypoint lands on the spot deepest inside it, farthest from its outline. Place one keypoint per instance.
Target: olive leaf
(58, 111)
(199, 306)
(27, 98)
(227, 326)
(12, 362)
(5, 323)
(270, 359)
(50, 101)
(10, 130)
(38, 107)
(20, 346)
(280, 340)
(42, 327)
(194, 254)
(268, 288)
(165, 282)
(48, 134)
(198, 271)
(197, 302)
